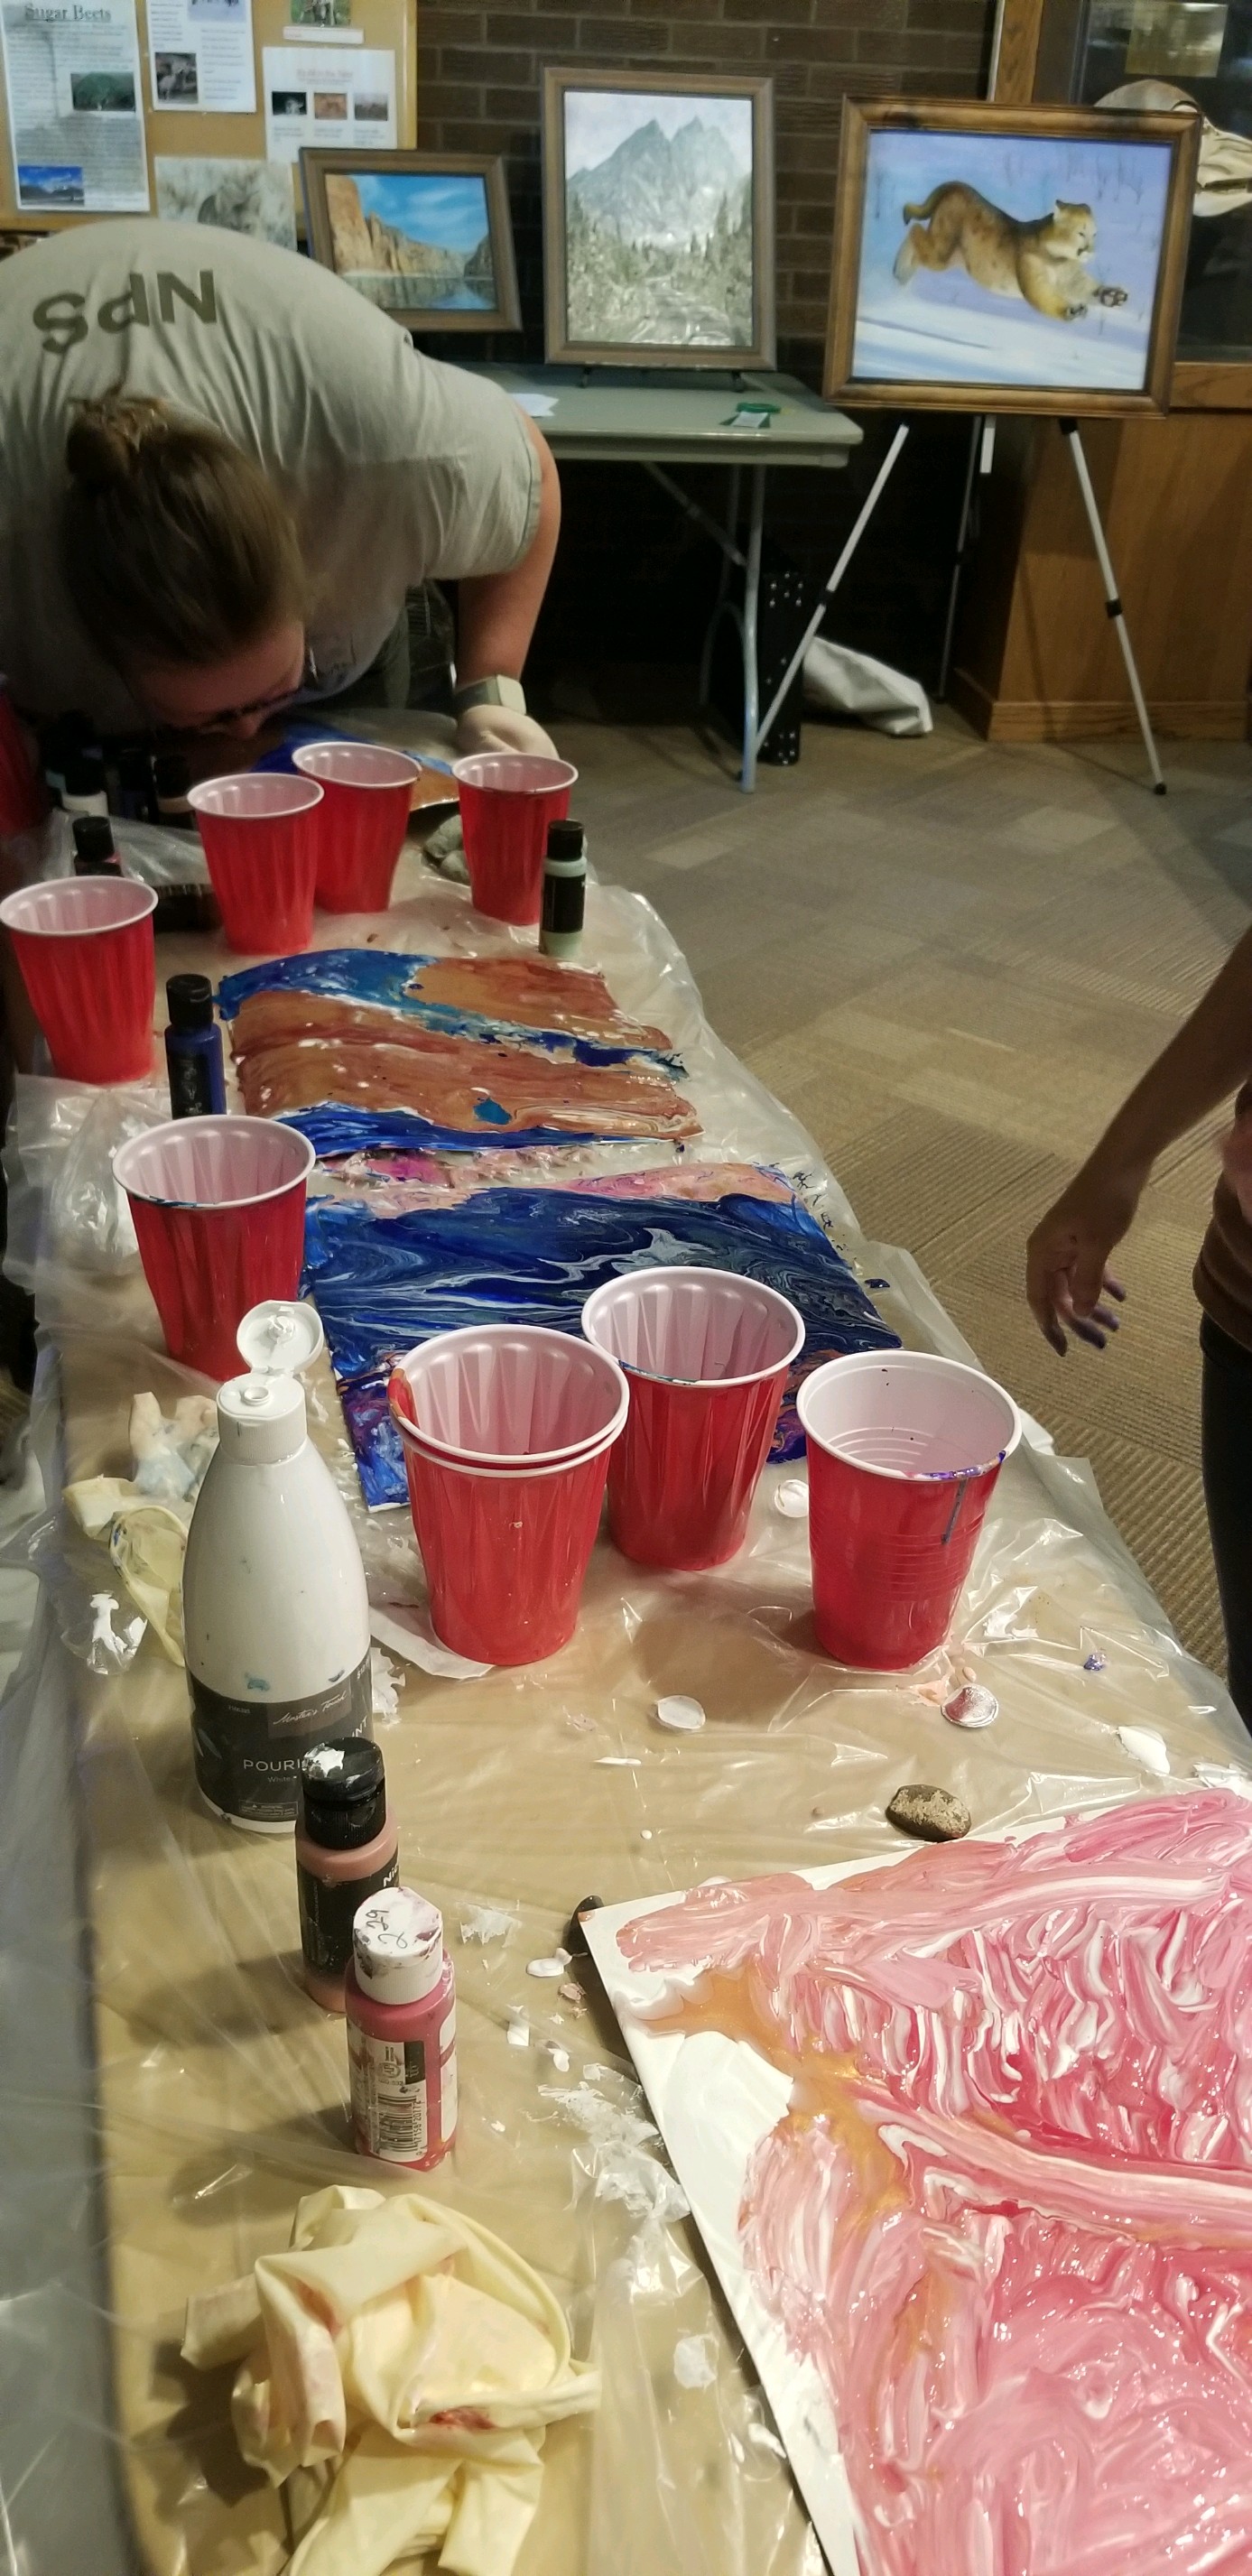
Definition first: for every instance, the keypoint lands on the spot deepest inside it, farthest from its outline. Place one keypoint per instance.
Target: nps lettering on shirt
(63, 320)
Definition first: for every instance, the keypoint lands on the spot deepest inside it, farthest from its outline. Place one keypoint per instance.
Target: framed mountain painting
(658, 194)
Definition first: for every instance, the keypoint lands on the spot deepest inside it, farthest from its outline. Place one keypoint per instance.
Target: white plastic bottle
(275, 1612)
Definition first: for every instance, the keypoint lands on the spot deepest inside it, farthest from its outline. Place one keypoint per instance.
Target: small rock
(572, 1994)
(932, 1815)
(679, 1716)
(972, 1706)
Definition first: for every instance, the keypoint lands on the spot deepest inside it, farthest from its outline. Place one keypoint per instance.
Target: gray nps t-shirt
(398, 469)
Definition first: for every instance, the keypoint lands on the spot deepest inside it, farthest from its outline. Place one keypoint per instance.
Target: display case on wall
(1158, 54)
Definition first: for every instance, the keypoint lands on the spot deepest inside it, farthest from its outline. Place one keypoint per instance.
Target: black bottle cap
(93, 844)
(171, 776)
(343, 1793)
(84, 772)
(190, 1002)
(566, 840)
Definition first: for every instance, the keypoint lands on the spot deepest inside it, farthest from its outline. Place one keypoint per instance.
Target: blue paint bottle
(193, 1049)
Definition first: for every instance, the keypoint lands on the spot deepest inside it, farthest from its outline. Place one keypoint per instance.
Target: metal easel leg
(1069, 432)
(864, 516)
(753, 732)
(958, 560)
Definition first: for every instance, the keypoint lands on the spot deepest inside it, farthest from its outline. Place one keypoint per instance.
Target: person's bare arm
(497, 611)
(1066, 1273)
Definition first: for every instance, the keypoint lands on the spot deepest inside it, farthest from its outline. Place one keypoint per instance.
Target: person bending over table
(1068, 1280)
(221, 470)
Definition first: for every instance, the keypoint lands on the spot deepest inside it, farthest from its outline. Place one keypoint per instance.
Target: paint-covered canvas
(534, 1256)
(424, 235)
(968, 2141)
(657, 217)
(1026, 258)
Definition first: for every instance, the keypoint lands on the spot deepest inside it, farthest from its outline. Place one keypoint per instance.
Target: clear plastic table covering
(167, 2090)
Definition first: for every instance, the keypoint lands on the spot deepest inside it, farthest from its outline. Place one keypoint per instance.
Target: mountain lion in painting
(1043, 260)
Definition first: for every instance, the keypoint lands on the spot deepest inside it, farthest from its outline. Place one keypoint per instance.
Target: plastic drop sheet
(167, 2091)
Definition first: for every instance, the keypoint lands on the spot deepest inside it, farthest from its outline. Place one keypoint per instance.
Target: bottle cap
(84, 772)
(567, 840)
(189, 997)
(280, 1336)
(261, 1420)
(171, 775)
(397, 1946)
(343, 1794)
(94, 843)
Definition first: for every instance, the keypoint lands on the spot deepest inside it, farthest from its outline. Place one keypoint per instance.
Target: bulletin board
(388, 25)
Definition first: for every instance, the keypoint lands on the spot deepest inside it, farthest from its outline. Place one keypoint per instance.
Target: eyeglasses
(267, 706)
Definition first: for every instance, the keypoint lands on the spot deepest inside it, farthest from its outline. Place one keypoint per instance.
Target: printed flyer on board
(328, 97)
(202, 56)
(71, 70)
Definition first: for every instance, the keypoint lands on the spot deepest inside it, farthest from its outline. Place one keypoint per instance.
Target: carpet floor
(951, 959)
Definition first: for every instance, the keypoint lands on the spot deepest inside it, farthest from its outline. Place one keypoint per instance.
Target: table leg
(751, 597)
(729, 550)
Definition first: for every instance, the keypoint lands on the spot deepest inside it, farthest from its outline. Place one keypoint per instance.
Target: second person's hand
(1068, 1282)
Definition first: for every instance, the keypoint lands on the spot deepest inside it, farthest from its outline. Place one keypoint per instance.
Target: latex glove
(501, 729)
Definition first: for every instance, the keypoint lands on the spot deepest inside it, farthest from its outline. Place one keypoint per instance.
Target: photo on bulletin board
(998, 259)
(427, 236)
(235, 196)
(658, 219)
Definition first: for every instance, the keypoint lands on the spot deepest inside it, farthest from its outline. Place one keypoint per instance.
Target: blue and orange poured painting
(534, 1256)
(364, 1050)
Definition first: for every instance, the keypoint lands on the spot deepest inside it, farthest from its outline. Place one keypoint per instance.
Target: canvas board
(714, 2101)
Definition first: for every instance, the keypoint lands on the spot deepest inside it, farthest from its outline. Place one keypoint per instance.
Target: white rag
(413, 2354)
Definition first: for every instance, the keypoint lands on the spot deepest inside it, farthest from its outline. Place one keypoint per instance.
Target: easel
(980, 454)
(981, 451)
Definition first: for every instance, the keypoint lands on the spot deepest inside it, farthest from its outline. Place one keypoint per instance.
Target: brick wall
(479, 71)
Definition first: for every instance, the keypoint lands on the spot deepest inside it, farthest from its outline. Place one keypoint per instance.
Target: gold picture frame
(702, 268)
(1035, 279)
(457, 183)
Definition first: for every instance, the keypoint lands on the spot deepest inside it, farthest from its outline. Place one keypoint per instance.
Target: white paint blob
(546, 1967)
(972, 1706)
(791, 1498)
(695, 2361)
(1144, 1745)
(679, 1716)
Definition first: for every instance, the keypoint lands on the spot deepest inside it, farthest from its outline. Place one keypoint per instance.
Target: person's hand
(501, 729)
(1067, 1278)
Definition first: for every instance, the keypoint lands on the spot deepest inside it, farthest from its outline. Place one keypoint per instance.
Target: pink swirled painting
(1007, 2211)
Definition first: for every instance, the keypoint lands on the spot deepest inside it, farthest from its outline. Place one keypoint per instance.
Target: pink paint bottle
(400, 2000)
(346, 1850)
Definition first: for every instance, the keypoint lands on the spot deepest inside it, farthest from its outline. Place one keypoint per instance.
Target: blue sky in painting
(450, 211)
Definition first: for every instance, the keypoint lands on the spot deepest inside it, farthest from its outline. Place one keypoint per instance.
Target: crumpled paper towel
(413, 2354)
(143, 1519)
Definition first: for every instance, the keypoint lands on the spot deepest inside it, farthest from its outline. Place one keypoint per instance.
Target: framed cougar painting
(1008, 259)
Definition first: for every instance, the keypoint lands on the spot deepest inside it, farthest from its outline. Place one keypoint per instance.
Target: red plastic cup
(706, 1355)
(508, 799)
(904, 1453)
(260, 837)
(86, 952)
(218, 1207)
(506, 1433)
(23, 796)
(367, 798)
